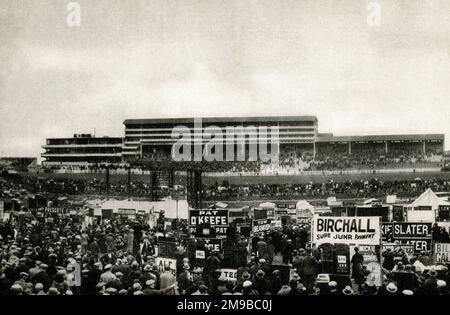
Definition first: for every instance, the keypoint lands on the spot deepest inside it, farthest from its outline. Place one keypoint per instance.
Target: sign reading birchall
(346, 230)
(441, 253)
(217, 219)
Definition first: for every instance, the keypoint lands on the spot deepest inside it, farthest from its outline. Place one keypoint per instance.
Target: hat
(137, 287)
(111, 290)
(245, 275)
(23, 274)
(441, 284)
(39, 286)
(43, 266)
(407, 292)
(17, 287)
(123, 292)
(150, 282)
(247, 284)
(347, 290)
(119, 274)
(38, 262)
(98, 264)
(262, 261)
(100, 285)
(108, 267)
(147, 268)
(260, 273)
(139, 292)
(53, 291)
(332, 284)
(391, 287)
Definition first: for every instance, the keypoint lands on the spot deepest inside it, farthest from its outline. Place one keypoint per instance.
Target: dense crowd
(338, 157)
(67, 257)
(348, 189)
(297, 158)
(224, 190)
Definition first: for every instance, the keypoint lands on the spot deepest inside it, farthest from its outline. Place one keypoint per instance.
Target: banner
(229, 274)
(303, 220)
(166, 247)
(213, 244)
(346, 230)
(200, 254)
(276, 224)
(162, 263)
(217, 219)
(395, 247)
(441, 253)
(342, 264)
(260, 226)
(418, 244)
(417, 234)
(53, 210)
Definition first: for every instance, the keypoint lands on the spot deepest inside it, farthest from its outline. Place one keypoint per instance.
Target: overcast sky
(145, 59)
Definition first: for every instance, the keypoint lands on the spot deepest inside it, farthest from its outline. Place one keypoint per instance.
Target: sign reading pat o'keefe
(347, 230)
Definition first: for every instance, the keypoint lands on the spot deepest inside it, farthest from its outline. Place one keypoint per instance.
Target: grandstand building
(153, 137)
(301, 146)
(82, 149)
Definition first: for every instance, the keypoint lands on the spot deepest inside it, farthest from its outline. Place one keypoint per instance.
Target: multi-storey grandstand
(82, 150)
(302, 149)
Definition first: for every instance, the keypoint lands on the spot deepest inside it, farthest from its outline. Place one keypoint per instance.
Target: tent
(221, 205)
(304, 208)
(428, 199)
(424, 208)
(172, 208)
(304, 205)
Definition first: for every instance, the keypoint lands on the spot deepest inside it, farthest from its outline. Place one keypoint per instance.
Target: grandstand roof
(220, 119)
(407, 137)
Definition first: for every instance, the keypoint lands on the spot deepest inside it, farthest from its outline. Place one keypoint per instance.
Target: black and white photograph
(235, 150)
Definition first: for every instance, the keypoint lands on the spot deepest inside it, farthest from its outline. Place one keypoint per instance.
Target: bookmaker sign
(441, 253)
(347, 230)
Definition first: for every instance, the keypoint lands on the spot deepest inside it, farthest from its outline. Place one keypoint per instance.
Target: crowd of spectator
(68, 257)
(343, 190)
